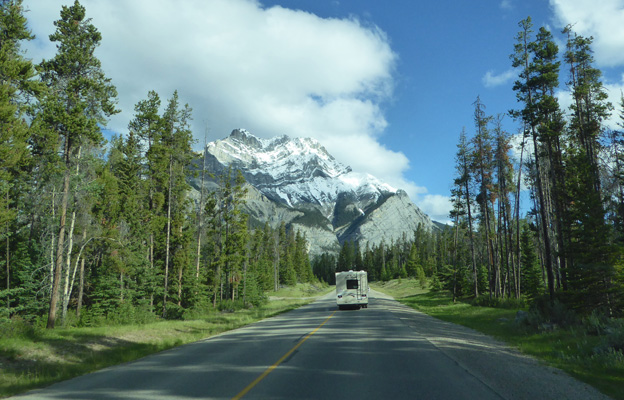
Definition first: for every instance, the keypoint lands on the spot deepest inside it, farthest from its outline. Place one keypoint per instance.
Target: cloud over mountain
(239, 64)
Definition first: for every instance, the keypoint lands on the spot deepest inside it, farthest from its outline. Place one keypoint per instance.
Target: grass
(572, 350)
(35, 357)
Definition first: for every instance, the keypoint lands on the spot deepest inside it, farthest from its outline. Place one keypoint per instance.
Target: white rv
(352, 289)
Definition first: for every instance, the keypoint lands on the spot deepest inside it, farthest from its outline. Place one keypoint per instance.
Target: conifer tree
(461, 198)
(145, 126)
(177, 155)
(16, 82)
(593, 273)
(534, 87)
(81, 97)
(482, 164)
(532, 276)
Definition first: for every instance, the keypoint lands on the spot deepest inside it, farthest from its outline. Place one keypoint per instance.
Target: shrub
(198, 311)
(16, 326)
(231, 305)
(548, 314)
(615, 335)
(596, 323)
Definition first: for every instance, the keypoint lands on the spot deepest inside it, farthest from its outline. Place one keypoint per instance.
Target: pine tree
(461, 198)
(146, 127)
(534, 87)
(482, 164)
(177, 140)
(81, 97)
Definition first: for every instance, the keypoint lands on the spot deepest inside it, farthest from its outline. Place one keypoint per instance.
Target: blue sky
(385, 86)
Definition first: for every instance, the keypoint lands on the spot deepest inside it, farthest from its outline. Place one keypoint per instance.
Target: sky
(386, 86)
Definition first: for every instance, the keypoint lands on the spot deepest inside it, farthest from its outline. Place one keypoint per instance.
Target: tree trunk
(61, 242)
(475, 272)
(200, 215)
(544, 221)
(168, 237)
(70, 244)
(8, 259)
(70, 236)
(81, 286)
(518, 281)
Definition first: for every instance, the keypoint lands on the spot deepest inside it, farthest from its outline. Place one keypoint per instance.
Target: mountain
(297, 181)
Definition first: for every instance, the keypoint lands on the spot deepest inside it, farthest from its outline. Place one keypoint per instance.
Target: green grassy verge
(571, 349)
(36, 357)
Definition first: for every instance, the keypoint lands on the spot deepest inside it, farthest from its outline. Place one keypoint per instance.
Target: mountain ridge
(298, 180)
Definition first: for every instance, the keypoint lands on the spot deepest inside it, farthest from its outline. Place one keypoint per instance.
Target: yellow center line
(281, 360)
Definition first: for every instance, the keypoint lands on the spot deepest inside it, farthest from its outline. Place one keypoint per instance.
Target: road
(387, 351)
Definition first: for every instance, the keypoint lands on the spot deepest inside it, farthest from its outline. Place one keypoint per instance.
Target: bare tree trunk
(8, 259)
(66, 294)
(61, 242)
(544, 217)
(200, 214)
(81, 277)
(180, 270)
(151, 259)
(53, 239)
(518, 272)
(168, 237)
(66, 289)
(475, 273)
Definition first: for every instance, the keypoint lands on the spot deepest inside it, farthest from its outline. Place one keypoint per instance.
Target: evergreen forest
(94, 232)
(560, 248)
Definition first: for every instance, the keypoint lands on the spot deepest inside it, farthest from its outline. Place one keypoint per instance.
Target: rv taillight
(363, 295)
(340, 296)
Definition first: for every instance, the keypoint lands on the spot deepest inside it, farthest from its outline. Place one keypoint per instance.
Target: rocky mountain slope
(297, 181)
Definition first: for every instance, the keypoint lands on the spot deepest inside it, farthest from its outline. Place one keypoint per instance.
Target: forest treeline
(567, 252)
(570, 245)
(93, 231)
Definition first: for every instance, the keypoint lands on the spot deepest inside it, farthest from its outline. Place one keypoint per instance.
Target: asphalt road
(386, 351)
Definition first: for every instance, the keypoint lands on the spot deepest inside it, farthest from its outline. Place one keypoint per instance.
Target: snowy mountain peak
(294, 170)
(297, 181)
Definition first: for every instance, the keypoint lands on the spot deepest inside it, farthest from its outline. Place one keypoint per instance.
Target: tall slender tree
(462, 199)
(79, 99)
(531, 92)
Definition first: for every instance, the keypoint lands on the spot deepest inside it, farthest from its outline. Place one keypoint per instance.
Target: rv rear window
(352, 284)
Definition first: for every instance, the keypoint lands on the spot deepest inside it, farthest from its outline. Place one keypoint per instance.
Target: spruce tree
(593, 273)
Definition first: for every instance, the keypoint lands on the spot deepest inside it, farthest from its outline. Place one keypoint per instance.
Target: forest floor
(576, 349)
(32, 357)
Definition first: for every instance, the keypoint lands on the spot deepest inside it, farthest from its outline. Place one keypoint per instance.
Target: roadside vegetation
(590, 349)
(32, 356)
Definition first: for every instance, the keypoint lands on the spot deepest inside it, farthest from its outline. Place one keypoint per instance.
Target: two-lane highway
(386, 351)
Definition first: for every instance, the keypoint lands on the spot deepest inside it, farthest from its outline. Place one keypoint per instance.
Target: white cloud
(614, 92)
(238, 64)
(506, 5)
(603, 21)
(436, 206)
(491, 79)
(600, 19)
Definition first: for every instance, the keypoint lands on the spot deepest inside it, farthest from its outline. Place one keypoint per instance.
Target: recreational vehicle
(352, 289)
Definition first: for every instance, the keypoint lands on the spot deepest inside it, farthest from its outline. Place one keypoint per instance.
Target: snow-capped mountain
(297, 181)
